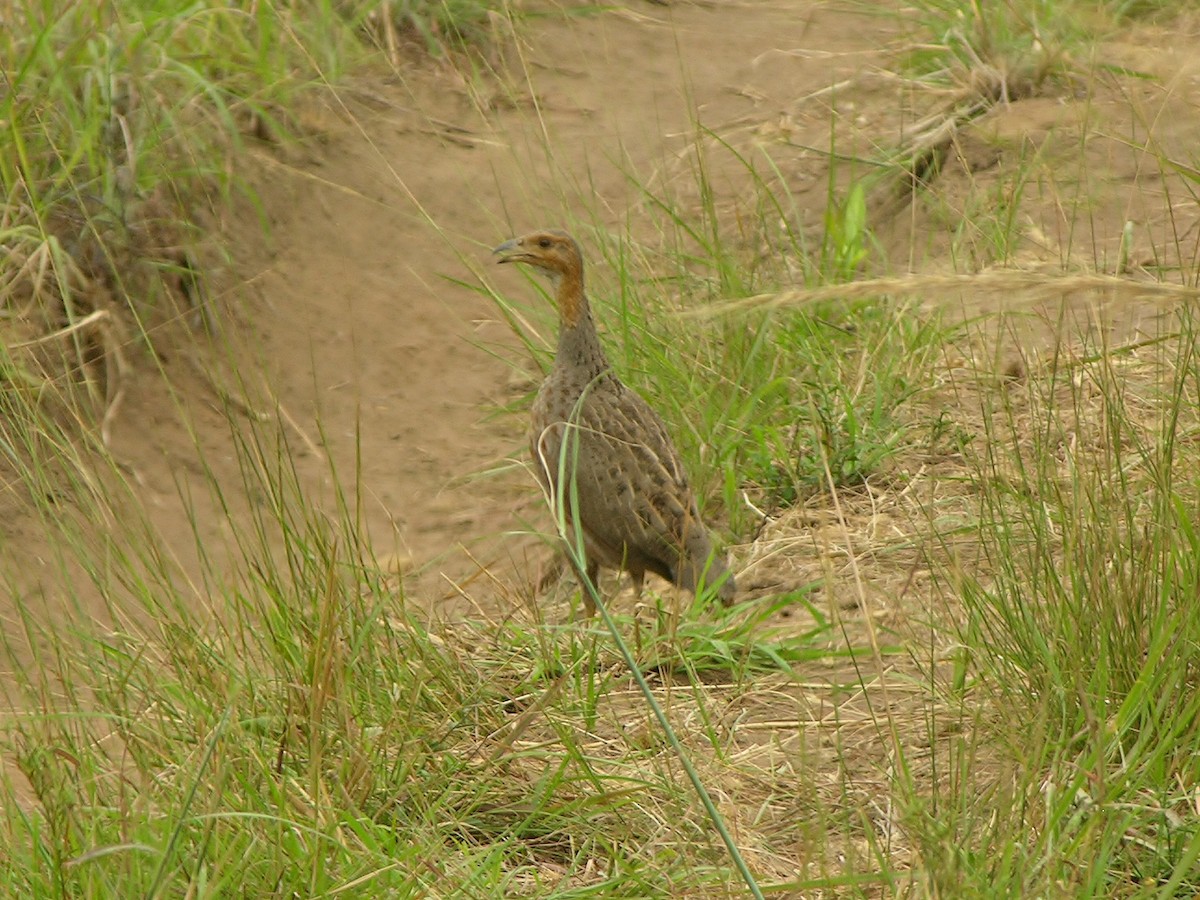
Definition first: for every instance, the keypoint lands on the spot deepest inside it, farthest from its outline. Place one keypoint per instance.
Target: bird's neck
(577, 339)
(570, 298)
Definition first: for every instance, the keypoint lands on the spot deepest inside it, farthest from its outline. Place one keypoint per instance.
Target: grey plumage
(631, 501)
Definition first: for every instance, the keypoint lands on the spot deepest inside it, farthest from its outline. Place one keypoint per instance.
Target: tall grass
(1080, 616)
(296, 728)
(117, 124)
(113, 106)
(286, 722)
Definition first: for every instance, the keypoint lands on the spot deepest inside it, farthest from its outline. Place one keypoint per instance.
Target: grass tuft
(966, 663)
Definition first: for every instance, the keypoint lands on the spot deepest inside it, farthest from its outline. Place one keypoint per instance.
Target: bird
(602, 454)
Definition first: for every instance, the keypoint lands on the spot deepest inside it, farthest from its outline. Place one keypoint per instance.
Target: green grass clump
(117, 116)
(296, 728)
(1018, 45)
(117, 121)
(1080, 616)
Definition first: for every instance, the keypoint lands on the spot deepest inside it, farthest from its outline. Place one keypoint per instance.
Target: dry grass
(965, 664)
(1000, 290)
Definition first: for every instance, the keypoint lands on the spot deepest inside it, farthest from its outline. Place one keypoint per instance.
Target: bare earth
(351, 305)
(384, 362)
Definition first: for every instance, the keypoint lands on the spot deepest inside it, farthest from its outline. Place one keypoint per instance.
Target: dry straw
(1027, 286)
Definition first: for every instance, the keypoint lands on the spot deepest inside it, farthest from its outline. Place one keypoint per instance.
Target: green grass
(987, 683)
(112, 108)
(315, 736)
(116, 125)
(1025, 43)
(1079, 620)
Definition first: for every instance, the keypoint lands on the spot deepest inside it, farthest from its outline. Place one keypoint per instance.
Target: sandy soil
(359, 326)
(386, 364)
(371, 347)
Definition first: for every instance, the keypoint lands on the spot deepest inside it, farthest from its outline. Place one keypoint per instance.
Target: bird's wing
(633, 495)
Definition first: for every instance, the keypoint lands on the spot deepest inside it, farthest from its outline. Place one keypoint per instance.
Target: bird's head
(554, 253)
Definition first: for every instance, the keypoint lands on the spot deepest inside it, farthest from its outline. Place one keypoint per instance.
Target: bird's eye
(544, 243)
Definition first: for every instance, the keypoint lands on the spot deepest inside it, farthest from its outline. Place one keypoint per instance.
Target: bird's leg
(593, 575)
(638, 579)
(552, 574)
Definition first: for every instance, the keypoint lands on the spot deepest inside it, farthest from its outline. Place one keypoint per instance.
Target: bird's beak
(509, 251)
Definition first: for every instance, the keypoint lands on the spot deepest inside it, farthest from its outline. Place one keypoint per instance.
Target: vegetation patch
(937, 382)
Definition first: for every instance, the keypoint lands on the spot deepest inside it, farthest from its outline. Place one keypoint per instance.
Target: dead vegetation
(947, 677)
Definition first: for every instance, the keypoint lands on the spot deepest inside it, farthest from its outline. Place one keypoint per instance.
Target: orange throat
(572, 305)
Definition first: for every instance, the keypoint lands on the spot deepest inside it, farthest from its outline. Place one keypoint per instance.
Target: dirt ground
(386, 364)
(351, 303)
(358, 323)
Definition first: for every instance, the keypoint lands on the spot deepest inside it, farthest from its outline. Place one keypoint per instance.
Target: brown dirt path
(354, 307)
(381, 362)
(351, 300)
